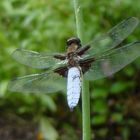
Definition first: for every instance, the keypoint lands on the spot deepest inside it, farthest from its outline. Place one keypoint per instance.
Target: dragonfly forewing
(38, 83)
(113, 37)
(36, 60)
(112, 62)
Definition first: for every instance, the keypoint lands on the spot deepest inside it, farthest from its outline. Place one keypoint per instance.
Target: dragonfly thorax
(73, 59)
(73, 44)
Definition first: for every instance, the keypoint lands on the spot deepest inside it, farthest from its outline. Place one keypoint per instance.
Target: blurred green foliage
(44, 26)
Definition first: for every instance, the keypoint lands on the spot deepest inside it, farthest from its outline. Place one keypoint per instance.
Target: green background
(45, 25)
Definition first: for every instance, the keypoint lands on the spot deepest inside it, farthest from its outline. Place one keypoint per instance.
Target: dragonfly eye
(73, 40)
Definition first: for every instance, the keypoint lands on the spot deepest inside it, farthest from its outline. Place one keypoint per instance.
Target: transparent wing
(35, 59)
(38, 83)
(113, 61)
(113, 37)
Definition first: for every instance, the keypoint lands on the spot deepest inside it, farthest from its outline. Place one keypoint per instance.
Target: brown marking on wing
(62, 71)
(86, 64)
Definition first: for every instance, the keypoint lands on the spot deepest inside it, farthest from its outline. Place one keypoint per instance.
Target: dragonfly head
(73, 44)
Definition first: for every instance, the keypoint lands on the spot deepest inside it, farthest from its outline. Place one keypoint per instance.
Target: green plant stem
(86, 110)
(79, 19)
(85, 84)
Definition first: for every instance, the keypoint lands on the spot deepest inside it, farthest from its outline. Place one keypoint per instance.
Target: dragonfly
(99, 58)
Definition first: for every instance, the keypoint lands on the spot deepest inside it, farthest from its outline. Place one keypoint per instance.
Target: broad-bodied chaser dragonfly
(96, 60)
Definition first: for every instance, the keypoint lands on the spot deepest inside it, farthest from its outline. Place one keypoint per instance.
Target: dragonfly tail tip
(71, 108)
